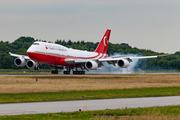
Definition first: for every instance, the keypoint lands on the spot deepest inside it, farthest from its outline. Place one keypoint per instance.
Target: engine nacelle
(30, 64)
(20, 62)
(123, 63)
(91, 65)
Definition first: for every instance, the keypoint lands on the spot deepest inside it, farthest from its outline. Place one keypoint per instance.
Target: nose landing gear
(36, 68)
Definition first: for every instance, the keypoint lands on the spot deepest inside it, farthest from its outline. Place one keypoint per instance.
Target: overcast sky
(147, 24)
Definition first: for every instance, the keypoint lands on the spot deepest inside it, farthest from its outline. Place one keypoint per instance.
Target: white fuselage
(54, 53)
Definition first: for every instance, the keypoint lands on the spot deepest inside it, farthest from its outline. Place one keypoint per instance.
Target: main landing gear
(79, 72)
(54, 71)
(68, 71)
(74, 71)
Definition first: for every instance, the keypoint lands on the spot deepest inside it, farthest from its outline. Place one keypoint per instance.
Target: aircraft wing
(109, 59)
(127, 57)
(19, 56)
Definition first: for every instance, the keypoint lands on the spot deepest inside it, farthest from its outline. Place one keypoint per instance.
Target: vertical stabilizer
(103, 45)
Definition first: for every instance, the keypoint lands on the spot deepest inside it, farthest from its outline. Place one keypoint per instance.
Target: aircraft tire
(75, 72)
(36, 68)
(81, 72)
(66, 72)
(56, 72)
(53, 71)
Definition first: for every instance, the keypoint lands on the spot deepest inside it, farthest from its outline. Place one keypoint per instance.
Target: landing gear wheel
(66, 72)
(54, 72)
(79, 72)
(75, 72)
(36, 68)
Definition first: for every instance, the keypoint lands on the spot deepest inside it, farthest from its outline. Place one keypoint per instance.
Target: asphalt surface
(70, 106)
(93, 73)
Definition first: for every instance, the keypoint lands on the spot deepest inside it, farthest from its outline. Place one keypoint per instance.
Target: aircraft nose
(30, 49)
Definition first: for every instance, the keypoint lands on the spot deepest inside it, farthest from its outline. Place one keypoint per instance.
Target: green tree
(20, 46)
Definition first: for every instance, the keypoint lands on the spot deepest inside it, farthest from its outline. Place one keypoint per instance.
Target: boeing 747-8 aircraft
(60, 56)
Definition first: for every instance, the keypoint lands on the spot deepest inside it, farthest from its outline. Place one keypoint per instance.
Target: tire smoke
(111, 69)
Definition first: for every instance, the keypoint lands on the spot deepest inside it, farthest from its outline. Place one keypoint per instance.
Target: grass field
(93, 94)
(152, 113)
(76, 87)
(62, 83)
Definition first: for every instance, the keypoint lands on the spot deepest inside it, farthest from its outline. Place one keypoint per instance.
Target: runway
(70, 106)
(95, 73)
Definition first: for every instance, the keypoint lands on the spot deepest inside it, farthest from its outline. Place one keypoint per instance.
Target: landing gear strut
(37, 66)
(68, 70)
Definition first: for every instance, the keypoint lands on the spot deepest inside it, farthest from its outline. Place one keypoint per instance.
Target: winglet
(103, 45)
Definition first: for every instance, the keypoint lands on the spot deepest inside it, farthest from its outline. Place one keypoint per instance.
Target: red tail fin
(103, 45)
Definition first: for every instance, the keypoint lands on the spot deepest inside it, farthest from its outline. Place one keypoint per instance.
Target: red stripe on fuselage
(94, 56)
(101, 56)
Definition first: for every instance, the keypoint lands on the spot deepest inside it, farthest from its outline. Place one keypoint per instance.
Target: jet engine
(31, 64)
(20, 62)
(123, 63)
(91, 65)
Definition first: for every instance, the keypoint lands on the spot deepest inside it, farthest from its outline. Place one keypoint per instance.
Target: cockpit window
(35, 43)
